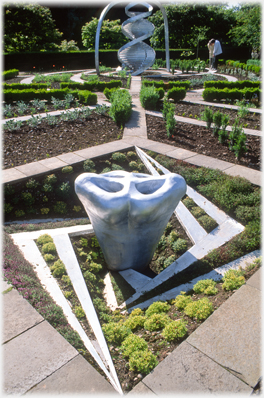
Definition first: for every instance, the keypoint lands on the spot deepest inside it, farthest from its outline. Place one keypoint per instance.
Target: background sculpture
(103, 15)
(129, 213)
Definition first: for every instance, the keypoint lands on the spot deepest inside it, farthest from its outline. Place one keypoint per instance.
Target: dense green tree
(247, 30)
(184, 18)
(29, 27)
(111, 36)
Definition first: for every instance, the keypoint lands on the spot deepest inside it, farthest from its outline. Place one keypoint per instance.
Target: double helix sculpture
(137, 55)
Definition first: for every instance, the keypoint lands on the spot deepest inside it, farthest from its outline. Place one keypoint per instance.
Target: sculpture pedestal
(129, 212)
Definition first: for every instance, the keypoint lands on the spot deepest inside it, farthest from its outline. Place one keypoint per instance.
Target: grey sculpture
(139, 39)
(129, 212)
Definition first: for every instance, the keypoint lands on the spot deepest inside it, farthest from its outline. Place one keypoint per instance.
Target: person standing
(217, 51)
(210, 46)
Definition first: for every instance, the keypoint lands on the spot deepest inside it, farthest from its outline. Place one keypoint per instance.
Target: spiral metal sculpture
(137, 55)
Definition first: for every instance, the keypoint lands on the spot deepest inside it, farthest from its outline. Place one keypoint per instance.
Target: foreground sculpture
(129, 212)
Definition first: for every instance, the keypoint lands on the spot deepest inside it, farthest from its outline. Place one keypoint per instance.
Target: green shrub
(47, 187)
(169, 261)
(233, 279)
(28, 198)
(19, 213)
(135, 322)
(189, 203)
(60, 207)
(67, 170)
(64, 189)
(121, 106)
(119, 157)
(142, 361)
(79, 312)
(88, 166)
(179, 246)
(66, 279)
(207, 222)
(156, 321)
(182, 300)
(133, 343)
(157, 308)
(206, 286)
(115, 332)
(31, 183)
(197, 211)
(49, 247)
(10, 74)
(94, 267)
(48, 257)
(132, 154)
(45, 238)
(89, 277)
(8, 208)
(199, 309)
(174, 330)
(87, 97)
(50, 179)
(117, 167)
(176, 94)
(207, 116)
(149, 97)
(136, 312)
(58, 269)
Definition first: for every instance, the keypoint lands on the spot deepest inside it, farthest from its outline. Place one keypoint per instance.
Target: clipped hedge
(87, 97)
(24, 86)
(176, 93)
(211, 94)
(240, 84)
(10, 74)
(95, 85)
(121, 106)
(164, 85)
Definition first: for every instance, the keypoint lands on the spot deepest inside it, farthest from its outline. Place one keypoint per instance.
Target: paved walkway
(221, 356)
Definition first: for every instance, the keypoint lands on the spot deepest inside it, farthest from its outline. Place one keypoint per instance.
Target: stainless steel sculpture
(129, 212)
(137, 55)
(137, 25)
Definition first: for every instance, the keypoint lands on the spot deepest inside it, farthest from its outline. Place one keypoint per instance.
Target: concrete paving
(221, 356)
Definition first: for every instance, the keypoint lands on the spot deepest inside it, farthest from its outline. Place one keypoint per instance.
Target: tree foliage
(29, 27)
(111, 36)
(247, 30)
(215, 19)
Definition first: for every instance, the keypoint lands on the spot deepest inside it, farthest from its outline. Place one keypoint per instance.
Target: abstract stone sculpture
(129, 212)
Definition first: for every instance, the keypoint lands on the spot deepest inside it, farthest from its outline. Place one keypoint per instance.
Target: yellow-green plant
(79, 312)
(199, 309)
(137, 311)
(58, 269)
(233, 279)
(174, 330)
(182, 300)
(142, 361)
(49, 248)
(206, 286)
(135, 322)
(115, 332)
(133, 343)
(156, 322)
(49, 257)
(157, 307)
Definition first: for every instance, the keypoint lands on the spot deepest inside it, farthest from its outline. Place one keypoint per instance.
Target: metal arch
(100, 22)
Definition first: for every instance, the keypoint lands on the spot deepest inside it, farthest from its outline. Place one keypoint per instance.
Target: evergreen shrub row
(240, 84)
(211, 94)
(10, 74)
(166, 86)
(23, 86)
(92, 85)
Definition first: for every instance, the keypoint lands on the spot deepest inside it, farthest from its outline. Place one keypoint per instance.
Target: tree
(111, 36)
(247, 30)
(199, 34)
(29, 27)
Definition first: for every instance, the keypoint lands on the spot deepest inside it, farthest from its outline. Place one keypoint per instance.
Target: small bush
(49, 257)
(176, 93)
(197, 211)
(31, 183)
(174, 330)
(95, 268)
(49, 247)
(66, 280)
(156, 322)
(45, 238)
(28, 198)
(199, 309)
(137, 311)
(207, 223)
(88, 166)
(79, 312)
(119, 157)
(58, 269)
(149, 97)
(60, 207)
(44, 210)
(19, 213)
(89, 277)
(206, 286)
(157, 308)
(64, 189)
(179, 246)
(67, 170)
(133, 343)
(233, 279)
(135, 322)
(8, 208)
(142, 361)
(115, 332)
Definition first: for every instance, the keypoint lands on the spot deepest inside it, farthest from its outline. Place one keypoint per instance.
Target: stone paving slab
(11, 175)
(70, 158)
(18, 315)
(207, 161)
(141, 389)
(188, 370)
(182, 154)
(32, 169)
(231, 336)
(254, 176)
(53, 163)
(104, 149)
(76, 377)
(255, 280)
(33, 356)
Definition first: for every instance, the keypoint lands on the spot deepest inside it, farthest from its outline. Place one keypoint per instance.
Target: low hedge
(31, 94)
(240, 84)
(166, 86)
(10, 74)
(211, 94)
(95, 85)
(176, 93)
(121, 106)
(24, 86)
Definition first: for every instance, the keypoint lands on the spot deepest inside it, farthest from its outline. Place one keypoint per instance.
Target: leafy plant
(233, 279)
(217, 119)
(174, 330)
(119, 157)
(179, 246)
(45, 238)
(156, 321)
(115, 332)
(182, 300)
(207, 116)
(49, 248)
(133, 343)
(88, 166)
(199, 309)
(142, 361)
(135, 322)
(48, 257)
(58, 269)
(158, 307)
(206, 286)
(60, 207)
